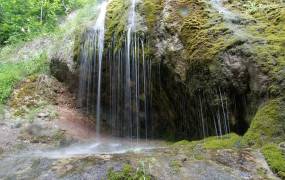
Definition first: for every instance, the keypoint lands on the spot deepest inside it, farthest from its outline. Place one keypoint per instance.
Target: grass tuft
(128, 172)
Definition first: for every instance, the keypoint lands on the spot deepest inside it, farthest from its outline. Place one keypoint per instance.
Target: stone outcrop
(203, 52)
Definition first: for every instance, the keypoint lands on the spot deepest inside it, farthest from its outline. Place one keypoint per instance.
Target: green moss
(198, 149)
(201, 30)
(224, 142)
(268, 124)
(77, 45)
(151, 11)
(127, 173)
(181, 143)
(275, 158)
(116, 21)
(203, 37)
(264, 21)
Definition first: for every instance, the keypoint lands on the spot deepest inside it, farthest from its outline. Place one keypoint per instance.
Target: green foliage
(128, 173)
(11, 73)
(275, 158)
(73, 29)
(268, 125)
(23, 19)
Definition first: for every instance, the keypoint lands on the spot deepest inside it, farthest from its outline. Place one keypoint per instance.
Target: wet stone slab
(160, 162)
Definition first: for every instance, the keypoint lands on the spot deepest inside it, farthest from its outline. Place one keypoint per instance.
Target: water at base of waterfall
(102, 146)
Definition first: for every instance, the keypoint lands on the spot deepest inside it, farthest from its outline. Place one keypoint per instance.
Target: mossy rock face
(116, 20)
(229, 141)
(205, 35)
(197, 50)
(151, 10)
(268, 125)
(275, 158)
(204, 52)
(266, 39)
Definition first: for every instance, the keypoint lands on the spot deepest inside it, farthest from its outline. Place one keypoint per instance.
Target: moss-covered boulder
(268, 125)
(275, 158)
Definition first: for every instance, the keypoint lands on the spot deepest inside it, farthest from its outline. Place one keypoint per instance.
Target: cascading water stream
(131, 28)
(91, 57)
(127, 112)
(100, 27)
(133, 73)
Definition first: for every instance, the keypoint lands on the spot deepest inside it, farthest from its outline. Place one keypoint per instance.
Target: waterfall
(91, 56)
(128, 95)
(100, 28)
(118, 88)
(131, 28)
(130, 83)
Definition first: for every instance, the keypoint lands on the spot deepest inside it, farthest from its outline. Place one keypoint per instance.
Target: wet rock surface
(198, 47)
(39, 155)
(160, 163)
(56, 143)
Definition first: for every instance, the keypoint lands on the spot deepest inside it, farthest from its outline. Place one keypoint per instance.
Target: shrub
(11, 73)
